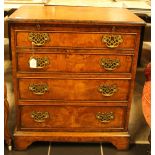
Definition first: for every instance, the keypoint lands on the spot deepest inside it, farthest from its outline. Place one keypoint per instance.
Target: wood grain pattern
(92, 15)
(74, 62)
(119, 139)
(72, 118)
(76, 39)
(74, 89)
(74, 74)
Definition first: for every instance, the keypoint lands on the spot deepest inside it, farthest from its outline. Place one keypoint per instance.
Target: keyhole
(38, 26)
(113, 28)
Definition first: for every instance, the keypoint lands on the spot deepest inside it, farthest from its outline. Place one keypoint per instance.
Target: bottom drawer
(72, 118)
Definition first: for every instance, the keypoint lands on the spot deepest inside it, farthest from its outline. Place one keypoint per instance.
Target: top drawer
(75, 39)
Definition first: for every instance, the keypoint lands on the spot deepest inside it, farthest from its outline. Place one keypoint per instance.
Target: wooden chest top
(68, 14)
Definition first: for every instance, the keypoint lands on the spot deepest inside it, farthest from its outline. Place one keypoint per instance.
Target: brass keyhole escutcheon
(39, 116)
(108, 90)
(105, 117)
(112, 41)
(38, 62)
(39, 88)
(38, 38)
(109, 64)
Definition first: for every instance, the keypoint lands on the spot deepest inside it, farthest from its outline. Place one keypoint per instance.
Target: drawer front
(72, 117)
(75, 39)
(72, 62)
(45, 117)
(74, 89)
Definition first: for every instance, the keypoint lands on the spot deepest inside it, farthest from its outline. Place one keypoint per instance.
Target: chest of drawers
(73, 73)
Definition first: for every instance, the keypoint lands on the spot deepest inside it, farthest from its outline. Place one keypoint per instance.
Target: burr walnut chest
(73, 73)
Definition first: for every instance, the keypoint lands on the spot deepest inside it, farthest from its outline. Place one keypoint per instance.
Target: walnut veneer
(73, 73)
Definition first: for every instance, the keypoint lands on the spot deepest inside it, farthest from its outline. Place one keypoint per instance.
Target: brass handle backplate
(38, 62)
(38, 39)
(38, 89)
(108, 90)
(39, 116)
(105, 117)
(109, 64)
(112, 41)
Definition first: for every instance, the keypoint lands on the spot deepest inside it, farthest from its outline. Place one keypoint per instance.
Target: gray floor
(39, 148)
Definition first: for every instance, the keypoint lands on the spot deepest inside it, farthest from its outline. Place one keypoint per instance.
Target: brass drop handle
(39, 116)
(109, 64)
(112, 41)
(38, 38)
(38, 89)
(38, 62)
(108, 90)
(105, 117)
